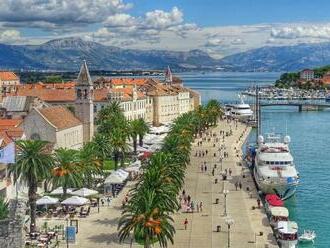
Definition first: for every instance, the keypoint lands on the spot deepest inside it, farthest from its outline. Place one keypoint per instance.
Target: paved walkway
(201, 186)
(99, 230)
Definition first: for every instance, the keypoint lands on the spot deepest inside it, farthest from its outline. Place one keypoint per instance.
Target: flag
(7, 154)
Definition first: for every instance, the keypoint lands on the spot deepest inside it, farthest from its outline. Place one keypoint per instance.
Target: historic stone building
(84, 109)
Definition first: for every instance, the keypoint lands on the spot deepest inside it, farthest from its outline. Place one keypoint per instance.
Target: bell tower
(84, 107)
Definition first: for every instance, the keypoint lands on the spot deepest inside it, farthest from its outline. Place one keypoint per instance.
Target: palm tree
(118, 142)
(68, 172)
(101, 147)
(34, 163)
(147, 222)
(143, 129)
(109, 112)
(134, 132)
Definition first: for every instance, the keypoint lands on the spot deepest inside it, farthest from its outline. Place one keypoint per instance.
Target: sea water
(310, 139)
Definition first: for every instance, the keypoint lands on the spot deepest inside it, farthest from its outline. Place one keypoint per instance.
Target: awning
(75, 200)
(84, 192)
(47, 200)
(279, 212)
(59, 191)
(274, 200)
(287, 227)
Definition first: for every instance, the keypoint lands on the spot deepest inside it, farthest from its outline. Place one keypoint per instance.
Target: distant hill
(284, 58)
(67, 54)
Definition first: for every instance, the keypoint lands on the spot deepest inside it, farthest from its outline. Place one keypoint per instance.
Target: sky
(219, 27)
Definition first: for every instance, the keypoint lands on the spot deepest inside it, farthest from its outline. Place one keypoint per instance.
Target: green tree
(33, 165)
(67, 171)
(4, 209)
(143, 129)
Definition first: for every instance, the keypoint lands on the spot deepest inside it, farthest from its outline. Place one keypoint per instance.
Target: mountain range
(67, 54)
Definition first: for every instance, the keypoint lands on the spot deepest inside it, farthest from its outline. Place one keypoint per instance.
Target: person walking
(236, 185)
(240, 185)
(185, 223)
(192, 206)
(201, 206)
(230, 171)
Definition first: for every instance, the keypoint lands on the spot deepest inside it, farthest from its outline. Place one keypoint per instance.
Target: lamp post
(225, 193)
(229, 221)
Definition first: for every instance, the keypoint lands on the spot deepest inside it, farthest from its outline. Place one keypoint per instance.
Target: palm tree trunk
(33, 206)
(116, 160)
(135, 144)
(122, 158)
(140, 140)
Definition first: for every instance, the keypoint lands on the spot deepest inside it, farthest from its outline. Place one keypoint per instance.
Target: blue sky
(218, 27)
(242, 12)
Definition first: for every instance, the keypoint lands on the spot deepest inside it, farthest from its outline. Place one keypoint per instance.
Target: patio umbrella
(84, 192)
(47, 200)
(75, 200)
(59, 191)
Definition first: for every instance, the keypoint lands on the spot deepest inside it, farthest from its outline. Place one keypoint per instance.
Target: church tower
(168, 75)
(84, 107)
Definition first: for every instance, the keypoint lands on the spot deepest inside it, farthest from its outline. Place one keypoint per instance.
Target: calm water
(310, 135)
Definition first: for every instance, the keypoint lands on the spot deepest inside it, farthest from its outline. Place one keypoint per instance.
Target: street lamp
(229, 221)
(225, 193)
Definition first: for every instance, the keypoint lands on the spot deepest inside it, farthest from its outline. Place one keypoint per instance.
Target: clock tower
(84, 107)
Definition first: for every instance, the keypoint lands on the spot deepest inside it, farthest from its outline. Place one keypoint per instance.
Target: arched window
(79, 93)
(35, 136)
(85, 93)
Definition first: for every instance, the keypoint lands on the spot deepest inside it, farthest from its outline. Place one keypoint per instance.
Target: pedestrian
(206, 152)
(202, 168)
(185, 223)
(258, 201)
(214, 154)
(108, 200)
(183, 193)
(102, 202)
(201, 206)
(240, 185)
(188, 199)
(205, 168)
(236, 185)
(230, 171)
(213, 172)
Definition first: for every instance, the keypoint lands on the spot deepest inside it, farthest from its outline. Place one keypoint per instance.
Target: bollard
(216, 180)
(217, 201)
(218, 228)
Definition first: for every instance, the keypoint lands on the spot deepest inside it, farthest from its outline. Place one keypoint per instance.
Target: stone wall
(11, 229)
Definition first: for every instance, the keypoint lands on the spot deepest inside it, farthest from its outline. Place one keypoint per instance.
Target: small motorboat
(307, 236)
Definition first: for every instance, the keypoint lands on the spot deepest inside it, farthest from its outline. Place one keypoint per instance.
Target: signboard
(71, 234)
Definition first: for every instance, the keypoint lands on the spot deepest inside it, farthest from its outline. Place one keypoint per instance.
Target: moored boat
(287, 234)
(274, 170)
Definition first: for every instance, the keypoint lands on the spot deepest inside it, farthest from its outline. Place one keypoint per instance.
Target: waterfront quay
(249, 228)
(100, 229)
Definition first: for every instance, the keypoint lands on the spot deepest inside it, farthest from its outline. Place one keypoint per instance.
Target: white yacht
(274, 170)
(287, 234)
(239, 111)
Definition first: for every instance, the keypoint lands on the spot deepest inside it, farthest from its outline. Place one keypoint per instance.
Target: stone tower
(84, 107)
(168, 75)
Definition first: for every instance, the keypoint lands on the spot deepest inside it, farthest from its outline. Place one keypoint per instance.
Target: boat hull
(288, 243)
(282, 189)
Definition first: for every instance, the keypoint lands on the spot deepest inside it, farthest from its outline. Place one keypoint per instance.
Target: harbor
(304, 207)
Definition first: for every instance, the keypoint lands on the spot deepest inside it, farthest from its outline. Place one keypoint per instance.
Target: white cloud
(214, 42)
(120, 20)
(10, 36)
(238, 42)
(59, 12)
(321, 32)
(159, 19)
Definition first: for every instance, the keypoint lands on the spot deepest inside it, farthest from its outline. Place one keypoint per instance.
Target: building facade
(307, 74)
(56, 125)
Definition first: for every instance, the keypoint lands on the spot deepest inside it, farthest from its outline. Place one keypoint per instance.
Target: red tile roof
(129, 81)
(60, 117)
(8, 76)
